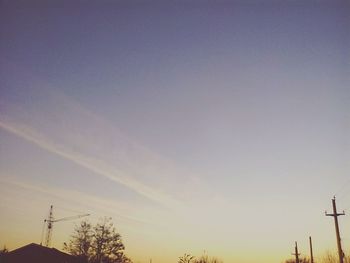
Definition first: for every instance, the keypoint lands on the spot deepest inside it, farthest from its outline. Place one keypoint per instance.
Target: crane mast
(50, 220)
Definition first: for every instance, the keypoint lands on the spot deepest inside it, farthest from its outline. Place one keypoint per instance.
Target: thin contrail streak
(97, 166)
(93, 201)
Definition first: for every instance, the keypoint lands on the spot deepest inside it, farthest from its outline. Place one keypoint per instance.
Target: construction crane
(49, 222)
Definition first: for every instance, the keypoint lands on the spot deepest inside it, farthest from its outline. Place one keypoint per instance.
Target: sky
(218, 127)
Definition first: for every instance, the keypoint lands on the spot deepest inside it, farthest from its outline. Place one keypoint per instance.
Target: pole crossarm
(296, 253)
(335, 215)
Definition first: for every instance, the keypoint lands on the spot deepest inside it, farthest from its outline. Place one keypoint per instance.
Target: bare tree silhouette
(186, 258)
(301, 260)
(97, 244)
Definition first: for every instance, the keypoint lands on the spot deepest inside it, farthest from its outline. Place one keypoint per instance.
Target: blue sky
(183, 121)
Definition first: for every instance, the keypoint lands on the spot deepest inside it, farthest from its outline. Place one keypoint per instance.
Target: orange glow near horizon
(217, 128)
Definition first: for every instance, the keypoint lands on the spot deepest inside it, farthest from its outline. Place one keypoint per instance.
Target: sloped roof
(34, 253)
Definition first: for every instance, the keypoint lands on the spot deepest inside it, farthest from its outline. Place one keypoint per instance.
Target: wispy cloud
(96, 205)
(99, 167)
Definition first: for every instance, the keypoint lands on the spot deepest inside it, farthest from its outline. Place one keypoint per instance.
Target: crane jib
(50, 220)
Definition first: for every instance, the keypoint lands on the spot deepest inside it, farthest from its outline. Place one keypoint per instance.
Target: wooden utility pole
(311, 253)
(335, 215)
(296, 254)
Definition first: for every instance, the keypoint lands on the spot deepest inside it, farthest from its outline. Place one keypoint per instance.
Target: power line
(67, 209)
(340, 193)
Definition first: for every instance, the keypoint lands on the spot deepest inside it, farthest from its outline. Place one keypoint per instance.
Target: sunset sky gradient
(217, 126)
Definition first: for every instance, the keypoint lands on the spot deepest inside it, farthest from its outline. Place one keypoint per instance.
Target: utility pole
(311, 253)
(335, 215)
(296, 254)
